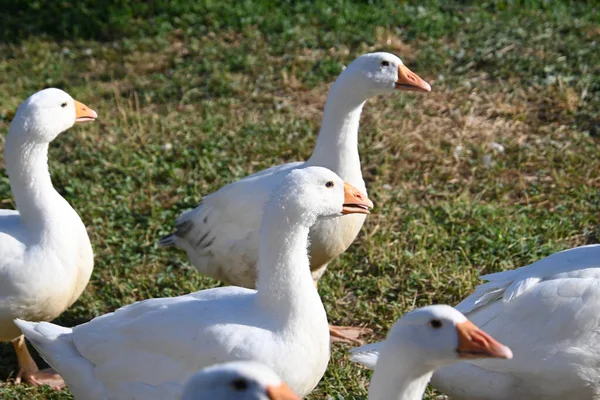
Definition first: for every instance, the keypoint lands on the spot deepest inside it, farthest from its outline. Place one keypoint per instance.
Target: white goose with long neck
(282, 324)
(221, 235)
(367, 76)
(46, 257)
(418, 344)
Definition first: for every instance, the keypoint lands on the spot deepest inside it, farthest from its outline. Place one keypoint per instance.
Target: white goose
(220, 236)
(418, 344)
(282, 324)
(236, 380)
(46, 257)
(547, 312)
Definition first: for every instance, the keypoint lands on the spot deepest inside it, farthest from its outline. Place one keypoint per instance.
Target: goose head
(378, 73)
(240, 380)
(441, 335)
(47, 113)
(313, 193)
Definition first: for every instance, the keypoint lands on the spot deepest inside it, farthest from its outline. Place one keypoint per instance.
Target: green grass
(194, 94)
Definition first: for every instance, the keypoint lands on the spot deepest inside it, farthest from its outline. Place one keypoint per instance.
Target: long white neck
(27, 167)
(284, 282)
(399, 375)
(337, 143)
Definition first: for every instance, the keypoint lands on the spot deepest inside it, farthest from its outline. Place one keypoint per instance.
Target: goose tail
(366, 355)
(55, 345)
(167, 241)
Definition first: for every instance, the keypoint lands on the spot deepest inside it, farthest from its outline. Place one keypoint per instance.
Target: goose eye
(329, 184)
(435, 323)
(385, 63)
(239, 384)
(63, 105)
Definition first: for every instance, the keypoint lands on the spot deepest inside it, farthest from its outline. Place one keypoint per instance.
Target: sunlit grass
(495, 168)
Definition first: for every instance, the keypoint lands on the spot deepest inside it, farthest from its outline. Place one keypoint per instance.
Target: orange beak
(475, 343)
(409, 81)
(355, 201)
(281, 392)
(83, 113)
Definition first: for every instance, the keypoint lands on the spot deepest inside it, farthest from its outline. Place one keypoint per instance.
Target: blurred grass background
(495, 168)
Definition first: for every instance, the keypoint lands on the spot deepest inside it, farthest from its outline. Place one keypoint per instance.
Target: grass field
(495, 168)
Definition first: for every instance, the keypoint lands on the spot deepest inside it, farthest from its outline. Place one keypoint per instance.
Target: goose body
(237, 380)
(547, 312)
(418, 344)
(281, 324)
(220, 236)
(46, 258)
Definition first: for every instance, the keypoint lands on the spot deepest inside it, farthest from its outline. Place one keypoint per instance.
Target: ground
(495, 168)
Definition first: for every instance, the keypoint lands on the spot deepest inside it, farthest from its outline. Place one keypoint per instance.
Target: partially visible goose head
(46, 114)
(240, 380)
(442, 335)
(378, 73)
(313, 193)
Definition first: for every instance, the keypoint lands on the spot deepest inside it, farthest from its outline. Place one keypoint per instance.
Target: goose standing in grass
(548, 313)
(281, 324)
(46, 257)
(236, 380)
(418, 344)
(220, 236)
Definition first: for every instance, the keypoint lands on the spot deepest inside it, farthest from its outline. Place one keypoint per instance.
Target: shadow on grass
(69, 20)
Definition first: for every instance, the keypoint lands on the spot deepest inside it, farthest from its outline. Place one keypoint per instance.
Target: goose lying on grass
(220, 236)
(418, 344)
(46, 257)
(237, 380)
(281, 324)
(547, 312)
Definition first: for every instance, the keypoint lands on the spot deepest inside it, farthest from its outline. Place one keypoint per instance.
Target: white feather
(282, 324)
(547, 313)
(220, 236)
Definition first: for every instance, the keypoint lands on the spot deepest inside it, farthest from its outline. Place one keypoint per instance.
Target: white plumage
(419, 343)
(220, 236)
(237, 380)
(547, 312)
(282, 324)
(46, 258)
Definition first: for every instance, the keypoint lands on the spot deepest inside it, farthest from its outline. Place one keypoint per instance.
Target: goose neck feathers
(35, 196)
(38, 121)
(284, 279)
(337, 142)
